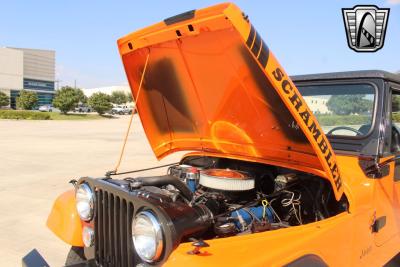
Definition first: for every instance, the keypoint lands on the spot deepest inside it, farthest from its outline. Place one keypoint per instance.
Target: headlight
(84, 202)
(147, 236)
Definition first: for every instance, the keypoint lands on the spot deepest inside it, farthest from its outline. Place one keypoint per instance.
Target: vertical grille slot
(116, 230)
(123, 217)
(104, 223)
(128, 232)
(111, 238)
(99, 229)
(112, 224)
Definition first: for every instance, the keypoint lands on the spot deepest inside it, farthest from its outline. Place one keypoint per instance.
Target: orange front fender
(64, 220)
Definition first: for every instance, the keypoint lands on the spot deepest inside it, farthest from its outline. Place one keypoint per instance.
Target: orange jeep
(281, 171)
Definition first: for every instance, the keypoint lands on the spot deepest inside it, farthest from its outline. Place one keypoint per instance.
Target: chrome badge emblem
(365, 27)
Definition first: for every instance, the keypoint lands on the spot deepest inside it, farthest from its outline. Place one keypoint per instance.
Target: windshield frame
(365, 144)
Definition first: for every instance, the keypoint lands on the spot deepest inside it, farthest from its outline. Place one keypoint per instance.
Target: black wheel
(121, 113)
(75, 256)
(50, 110)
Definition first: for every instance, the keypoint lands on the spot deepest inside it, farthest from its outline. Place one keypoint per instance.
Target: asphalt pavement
(38, 158)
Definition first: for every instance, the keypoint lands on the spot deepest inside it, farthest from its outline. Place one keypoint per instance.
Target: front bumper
(34, 259)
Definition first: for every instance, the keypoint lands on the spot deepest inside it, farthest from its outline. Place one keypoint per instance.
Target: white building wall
(38, 64)
(11, 69)
(107, 90)
(317, 104)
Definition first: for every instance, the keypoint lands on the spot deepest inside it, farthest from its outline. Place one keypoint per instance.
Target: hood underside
(210, 83)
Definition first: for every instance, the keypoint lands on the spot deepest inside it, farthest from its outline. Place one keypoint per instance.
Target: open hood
(210, 83)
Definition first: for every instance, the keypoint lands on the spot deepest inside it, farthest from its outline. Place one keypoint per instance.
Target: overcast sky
(306, 36)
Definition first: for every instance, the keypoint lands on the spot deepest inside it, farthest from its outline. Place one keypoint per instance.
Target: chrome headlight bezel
(148, 217)
(84, 197)
(88, 236)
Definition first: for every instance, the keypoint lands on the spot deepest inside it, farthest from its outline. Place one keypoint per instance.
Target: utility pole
(75, 83)
(58, 83)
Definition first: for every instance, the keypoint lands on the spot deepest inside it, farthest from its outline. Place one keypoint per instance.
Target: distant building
(27, 69)
(107, 90)
(11, 70)
(317, 104)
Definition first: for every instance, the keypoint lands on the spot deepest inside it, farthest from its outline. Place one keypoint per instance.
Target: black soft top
(348, 75)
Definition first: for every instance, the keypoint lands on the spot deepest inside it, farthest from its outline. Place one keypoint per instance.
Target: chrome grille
(112, 222)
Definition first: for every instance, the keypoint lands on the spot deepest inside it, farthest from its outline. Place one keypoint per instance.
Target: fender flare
(64, 220)
(309, 260)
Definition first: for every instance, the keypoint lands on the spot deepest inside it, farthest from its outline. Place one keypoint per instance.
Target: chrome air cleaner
(226, 179)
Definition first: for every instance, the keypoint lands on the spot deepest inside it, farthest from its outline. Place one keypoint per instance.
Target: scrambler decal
(297, 106)
(258, 47)
(311, 126)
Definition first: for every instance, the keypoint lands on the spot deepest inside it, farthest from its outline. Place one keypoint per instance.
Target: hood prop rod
(115, 171)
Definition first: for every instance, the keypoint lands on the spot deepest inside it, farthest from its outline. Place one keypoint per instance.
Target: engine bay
(233, 197)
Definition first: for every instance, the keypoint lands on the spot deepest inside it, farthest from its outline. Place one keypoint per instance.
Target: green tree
(4, 100)
(129, 97)
(27, 99)
(66, 99)
(395, 103)
(118, 97)
(100, 102)
(349, 104)
(81, 96)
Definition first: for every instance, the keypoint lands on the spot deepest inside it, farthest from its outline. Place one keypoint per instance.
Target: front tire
(75, 255)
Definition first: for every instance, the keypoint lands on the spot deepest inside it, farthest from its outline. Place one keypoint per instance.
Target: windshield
(345, 109)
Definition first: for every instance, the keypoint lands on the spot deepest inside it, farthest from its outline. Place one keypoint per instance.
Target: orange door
(387, 188)
(386, 209)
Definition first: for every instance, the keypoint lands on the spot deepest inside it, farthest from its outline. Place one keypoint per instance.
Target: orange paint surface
(213, 88)
(64, 220)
